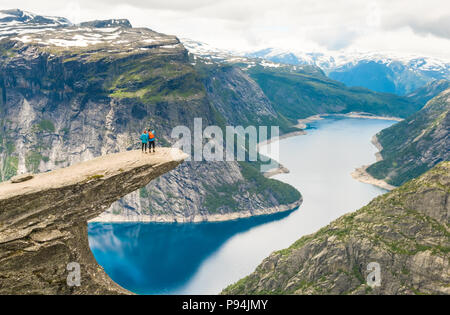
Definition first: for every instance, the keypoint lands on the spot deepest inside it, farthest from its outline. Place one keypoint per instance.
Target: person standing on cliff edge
(151, 139)
(144, 140)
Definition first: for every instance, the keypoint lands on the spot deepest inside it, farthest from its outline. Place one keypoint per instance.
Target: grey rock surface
(21, 178)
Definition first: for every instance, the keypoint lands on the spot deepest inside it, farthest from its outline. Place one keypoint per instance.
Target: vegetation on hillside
(298, 95)
(254, 183)
(416, 144)
(425, 93)
(405, 231)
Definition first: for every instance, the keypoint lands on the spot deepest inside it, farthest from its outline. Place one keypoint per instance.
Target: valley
(216, 254)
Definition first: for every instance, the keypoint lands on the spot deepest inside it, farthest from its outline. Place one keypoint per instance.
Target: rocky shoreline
(109, 217)
(302, 123)
(361, 174)
(276, 171)
(377, 144)
(365, 115)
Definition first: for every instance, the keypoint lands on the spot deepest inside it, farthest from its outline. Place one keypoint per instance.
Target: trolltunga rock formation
(43, 221)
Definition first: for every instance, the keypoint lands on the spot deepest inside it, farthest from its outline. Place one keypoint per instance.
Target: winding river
(203, 258)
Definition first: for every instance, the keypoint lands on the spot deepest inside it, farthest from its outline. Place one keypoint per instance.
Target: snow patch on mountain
(17, 22)
(108, 35)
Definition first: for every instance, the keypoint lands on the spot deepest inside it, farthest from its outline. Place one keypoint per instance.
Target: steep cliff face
(43, 221)
(405, 231)
(71, 93)
(238, 98)
(63, 93)
(202, 191)
(416, 144)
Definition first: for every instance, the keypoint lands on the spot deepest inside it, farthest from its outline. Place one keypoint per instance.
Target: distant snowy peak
(15, 22)
(208, 52)
(382, 72)
(110, 40)
(107, 23)
(293, 58)
(413, 62)
(330, 62)
(19, 16)
(327, 62)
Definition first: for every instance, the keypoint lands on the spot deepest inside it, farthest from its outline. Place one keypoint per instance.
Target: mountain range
(73, 92)
(382, 72)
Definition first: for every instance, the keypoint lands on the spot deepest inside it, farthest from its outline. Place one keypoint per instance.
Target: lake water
(203, 258)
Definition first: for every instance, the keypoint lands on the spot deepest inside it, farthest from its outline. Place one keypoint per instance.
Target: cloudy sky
(404, 26)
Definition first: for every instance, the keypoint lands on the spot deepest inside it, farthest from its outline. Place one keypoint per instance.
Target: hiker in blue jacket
(151, 139)
(144, 140)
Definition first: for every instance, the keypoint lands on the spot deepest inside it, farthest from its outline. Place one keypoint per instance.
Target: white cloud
(412, 26)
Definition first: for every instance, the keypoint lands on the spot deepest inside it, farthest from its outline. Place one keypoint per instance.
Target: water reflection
(156, 258)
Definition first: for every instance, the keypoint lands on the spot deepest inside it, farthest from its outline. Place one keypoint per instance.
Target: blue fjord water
(203, 258)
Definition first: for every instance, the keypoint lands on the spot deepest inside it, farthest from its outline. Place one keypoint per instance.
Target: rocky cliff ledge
(43, 221)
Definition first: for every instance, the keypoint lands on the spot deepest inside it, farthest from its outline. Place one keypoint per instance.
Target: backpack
(151, 135)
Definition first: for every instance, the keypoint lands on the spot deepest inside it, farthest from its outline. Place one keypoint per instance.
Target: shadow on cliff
(158, 258)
